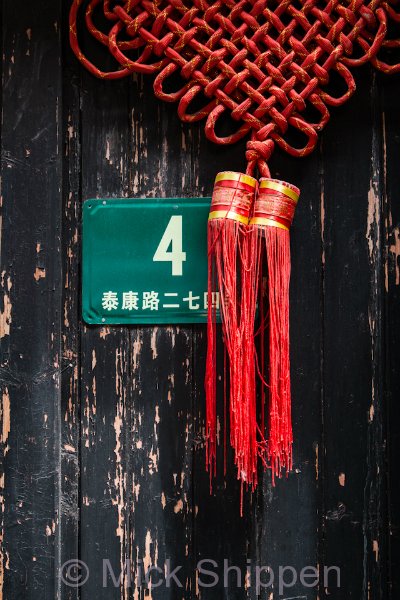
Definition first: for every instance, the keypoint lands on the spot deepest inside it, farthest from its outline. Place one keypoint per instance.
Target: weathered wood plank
(390, 87)
(162, 371)
(376, 492)
(149, 482)
(71, 320)
(30, 309)
(105, 356)
(353, 453)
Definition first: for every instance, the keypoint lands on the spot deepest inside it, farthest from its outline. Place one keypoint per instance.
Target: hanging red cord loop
(257, 155)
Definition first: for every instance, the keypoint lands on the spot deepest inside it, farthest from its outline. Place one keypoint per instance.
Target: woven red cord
(264, 63)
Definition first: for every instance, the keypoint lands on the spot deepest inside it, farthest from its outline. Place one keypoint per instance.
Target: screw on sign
(264, 63)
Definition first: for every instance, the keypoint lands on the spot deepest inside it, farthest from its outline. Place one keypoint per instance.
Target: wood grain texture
(31, 299)
(353, 517)
(71, 323)
(390, 91)
(102, 436)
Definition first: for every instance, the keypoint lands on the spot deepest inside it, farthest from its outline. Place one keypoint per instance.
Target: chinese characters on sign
(151, 300)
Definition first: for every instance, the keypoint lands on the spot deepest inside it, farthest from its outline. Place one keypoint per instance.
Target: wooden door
(102, 440)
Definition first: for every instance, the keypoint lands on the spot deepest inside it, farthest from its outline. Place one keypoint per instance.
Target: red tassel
(236, 252)
(232, 200)
(273, 214)
(255, 442)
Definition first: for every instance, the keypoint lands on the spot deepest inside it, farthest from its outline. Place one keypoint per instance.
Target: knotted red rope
(267, 64)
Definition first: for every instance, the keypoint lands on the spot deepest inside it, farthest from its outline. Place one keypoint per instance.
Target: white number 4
(172, 237)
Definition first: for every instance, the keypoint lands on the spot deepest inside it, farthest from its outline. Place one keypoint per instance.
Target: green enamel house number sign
(145, 261)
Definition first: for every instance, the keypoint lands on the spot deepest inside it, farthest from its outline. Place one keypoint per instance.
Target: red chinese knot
(263, 62)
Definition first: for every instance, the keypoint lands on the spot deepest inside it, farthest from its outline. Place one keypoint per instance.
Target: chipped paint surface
(120, 478)
(154, 342)
(5, 313)
(373, 219)
(178, 506)
(375, 549)
(394, 249)
(371, 413)
(154, 452)
(392, 232)
(393, 262)
(40, 273)
(373, 238)
(137, 347)
(5, 420)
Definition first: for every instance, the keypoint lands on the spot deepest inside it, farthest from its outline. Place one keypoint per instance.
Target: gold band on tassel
(228, 214)
(234, 176)
(279, 187)
(270, 222)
